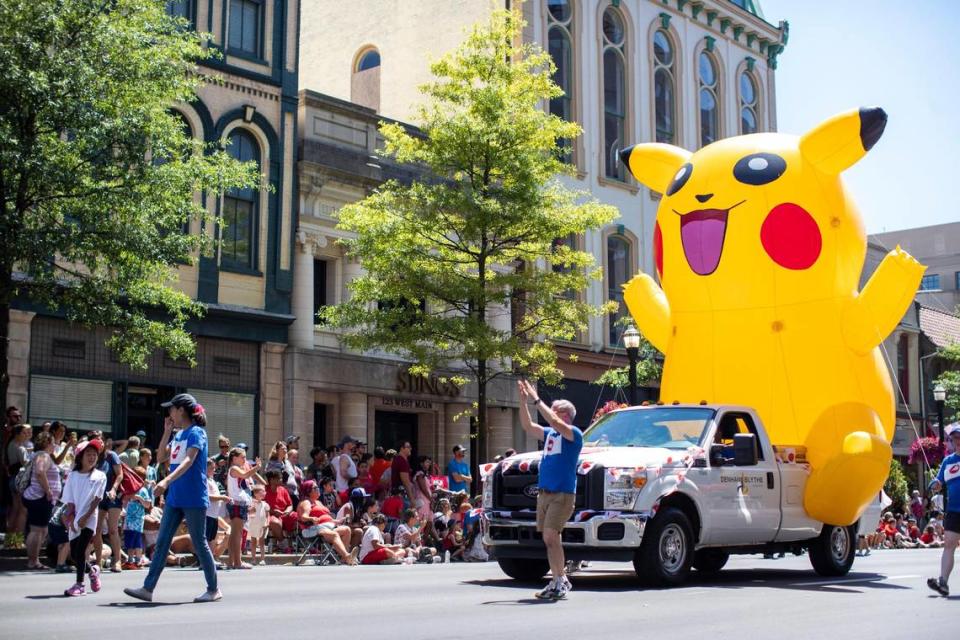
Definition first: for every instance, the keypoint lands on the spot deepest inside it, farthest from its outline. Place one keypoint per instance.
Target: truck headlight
(622, 487)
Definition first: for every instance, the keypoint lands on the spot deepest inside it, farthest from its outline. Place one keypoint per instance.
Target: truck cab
(669, 488)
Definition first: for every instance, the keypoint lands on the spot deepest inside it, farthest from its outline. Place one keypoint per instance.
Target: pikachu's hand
(650, 309)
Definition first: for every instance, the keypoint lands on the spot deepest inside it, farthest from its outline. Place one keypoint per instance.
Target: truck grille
(516, 489)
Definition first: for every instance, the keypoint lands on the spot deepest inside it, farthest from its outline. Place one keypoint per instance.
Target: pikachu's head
(761, 219)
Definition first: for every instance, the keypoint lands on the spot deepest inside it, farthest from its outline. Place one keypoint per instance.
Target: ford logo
(531, 490)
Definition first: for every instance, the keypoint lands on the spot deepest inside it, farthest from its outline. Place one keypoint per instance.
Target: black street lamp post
(631, 340)
(940, 396)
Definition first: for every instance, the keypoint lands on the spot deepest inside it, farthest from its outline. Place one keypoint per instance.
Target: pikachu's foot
(838, 491)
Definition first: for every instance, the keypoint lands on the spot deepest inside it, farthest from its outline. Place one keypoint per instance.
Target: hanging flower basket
(927, 450)
(611, 405)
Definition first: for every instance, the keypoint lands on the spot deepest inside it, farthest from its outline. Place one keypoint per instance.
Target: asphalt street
(884, 596)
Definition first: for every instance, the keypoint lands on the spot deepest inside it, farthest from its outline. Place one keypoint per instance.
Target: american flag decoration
(614, 472)
(505, 465)
(487, 469)
(524, 466)
(585, 467)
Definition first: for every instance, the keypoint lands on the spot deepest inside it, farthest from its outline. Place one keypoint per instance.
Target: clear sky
(901, 55)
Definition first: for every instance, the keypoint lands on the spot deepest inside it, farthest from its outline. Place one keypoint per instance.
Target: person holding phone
(186, 489)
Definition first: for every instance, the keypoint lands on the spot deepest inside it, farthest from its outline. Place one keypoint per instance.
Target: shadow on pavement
(142, 605)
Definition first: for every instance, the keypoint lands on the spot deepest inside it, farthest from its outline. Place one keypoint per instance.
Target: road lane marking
(851, 580)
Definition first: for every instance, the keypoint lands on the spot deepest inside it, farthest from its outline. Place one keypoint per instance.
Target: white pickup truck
(668, 488)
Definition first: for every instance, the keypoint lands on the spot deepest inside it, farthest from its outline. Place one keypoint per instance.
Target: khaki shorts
(554, 509)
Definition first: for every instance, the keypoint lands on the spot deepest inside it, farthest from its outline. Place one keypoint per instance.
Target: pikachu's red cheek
(791, 237)
(658, 249)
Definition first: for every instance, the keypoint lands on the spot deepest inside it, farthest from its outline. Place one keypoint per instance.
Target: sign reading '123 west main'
(430, 385)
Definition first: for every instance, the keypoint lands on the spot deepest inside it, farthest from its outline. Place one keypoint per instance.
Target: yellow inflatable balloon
(759, 251)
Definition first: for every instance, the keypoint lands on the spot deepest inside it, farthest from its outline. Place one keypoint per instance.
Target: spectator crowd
(920, 527)
(338, 504)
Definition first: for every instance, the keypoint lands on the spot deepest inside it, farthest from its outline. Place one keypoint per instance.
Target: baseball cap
(141, 434)
(458, 448)
(952, 429)
(347, 439)
(96, 443)
(179, 400)
(242, 445)
(359, 492)
(291, 438)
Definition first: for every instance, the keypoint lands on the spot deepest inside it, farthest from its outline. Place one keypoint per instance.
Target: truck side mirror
(745, 450)
(717, 458)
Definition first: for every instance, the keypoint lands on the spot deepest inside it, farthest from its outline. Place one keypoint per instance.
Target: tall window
(569, 241)
(903, 368)
(245, 19)
(560, 46)
(618, 272)
(365, 80)
(709, 99)
(180, 9)
(749, 103)
(319, 287)
(664, 88)
(614, 92)
(240, 207)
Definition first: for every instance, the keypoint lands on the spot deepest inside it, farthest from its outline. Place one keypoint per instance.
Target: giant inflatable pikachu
(759, 251)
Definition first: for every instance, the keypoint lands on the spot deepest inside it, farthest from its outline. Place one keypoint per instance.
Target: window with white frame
(618, 271)
(614, 92)
(664, 87)
(560, 47)
(749, 103)
(709, 98)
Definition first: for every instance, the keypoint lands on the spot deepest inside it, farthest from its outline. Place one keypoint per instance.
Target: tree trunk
(481, 423)
(6, 289)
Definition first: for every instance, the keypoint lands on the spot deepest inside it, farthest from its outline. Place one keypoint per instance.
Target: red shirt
(926, 538)
(400, 465)
(392, 507)
(377, 468)
(319, 511)
(279, 499)
(914, 532)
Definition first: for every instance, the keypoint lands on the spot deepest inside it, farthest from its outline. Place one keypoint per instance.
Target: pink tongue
(702, 235)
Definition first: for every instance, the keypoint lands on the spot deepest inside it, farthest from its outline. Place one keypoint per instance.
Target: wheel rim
(673, 548)
(839, 544)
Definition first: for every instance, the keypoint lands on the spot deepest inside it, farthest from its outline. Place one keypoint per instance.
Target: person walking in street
(562, 443)
(949, 477)
(186, 489)
(81, 500)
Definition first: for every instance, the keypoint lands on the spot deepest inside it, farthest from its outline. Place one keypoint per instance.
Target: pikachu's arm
(649, 307)
(876, 311)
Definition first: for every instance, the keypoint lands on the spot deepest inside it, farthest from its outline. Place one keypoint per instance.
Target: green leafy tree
(950, 380)
(897, 487)
(97, 175)
(463, 270)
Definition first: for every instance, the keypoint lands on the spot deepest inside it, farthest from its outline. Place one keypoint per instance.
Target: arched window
(365, 79)
(709, 98)
(664, 87)
(614, 92)
(749, 103)
(240, 207)
(617, 272)
(560, 46)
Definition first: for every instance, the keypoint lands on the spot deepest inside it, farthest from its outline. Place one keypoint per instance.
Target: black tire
(832, 552)
(666, 553)
(710, 560)
(524, 569)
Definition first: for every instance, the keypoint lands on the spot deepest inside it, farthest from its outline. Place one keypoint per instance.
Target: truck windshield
(666, 427)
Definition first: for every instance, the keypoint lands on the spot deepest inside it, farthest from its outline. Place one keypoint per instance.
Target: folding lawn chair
(313, 545)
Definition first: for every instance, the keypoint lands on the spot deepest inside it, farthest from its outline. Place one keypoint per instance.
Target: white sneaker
(209, 596)
(563, 588)
(573, 566)
(140, 594)
(549, 591)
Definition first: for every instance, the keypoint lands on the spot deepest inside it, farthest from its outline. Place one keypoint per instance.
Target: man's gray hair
(566, 406)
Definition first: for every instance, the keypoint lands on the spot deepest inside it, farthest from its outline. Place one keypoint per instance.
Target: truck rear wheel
(666, 553)
(831, 553)
(710, 560)
(524, 569)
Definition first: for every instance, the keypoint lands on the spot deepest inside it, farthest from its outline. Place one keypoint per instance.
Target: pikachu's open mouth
(702, 233)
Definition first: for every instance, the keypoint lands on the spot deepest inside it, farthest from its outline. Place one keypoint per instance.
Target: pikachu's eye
(759, 168)
(680, 179)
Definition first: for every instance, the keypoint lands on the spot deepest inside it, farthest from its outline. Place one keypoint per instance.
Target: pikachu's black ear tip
(625, 155)
(873, 120)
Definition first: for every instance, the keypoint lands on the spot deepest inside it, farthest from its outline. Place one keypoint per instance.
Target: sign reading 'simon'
(432, 385)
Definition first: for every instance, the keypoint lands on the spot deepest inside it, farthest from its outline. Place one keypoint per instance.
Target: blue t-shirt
(110, 460)
(558, 466)
(189, 491)
(457, 467)
(949, 476)
(133, 521)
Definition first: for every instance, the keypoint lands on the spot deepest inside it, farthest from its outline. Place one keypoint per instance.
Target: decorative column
(301, 331)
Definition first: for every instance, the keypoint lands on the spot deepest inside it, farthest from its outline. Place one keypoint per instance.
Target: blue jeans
(196, 524)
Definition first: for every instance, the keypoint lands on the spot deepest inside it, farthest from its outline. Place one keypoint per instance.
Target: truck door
(745, 508)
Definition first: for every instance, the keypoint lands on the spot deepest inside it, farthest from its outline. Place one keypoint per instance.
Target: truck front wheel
(831, 553)
(524, 569)
(665, 555)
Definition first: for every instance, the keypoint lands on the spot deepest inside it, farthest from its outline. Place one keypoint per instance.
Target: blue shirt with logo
(136, 512)
(558, 464)
(189, 491)
(949, 476)
(458, 467)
